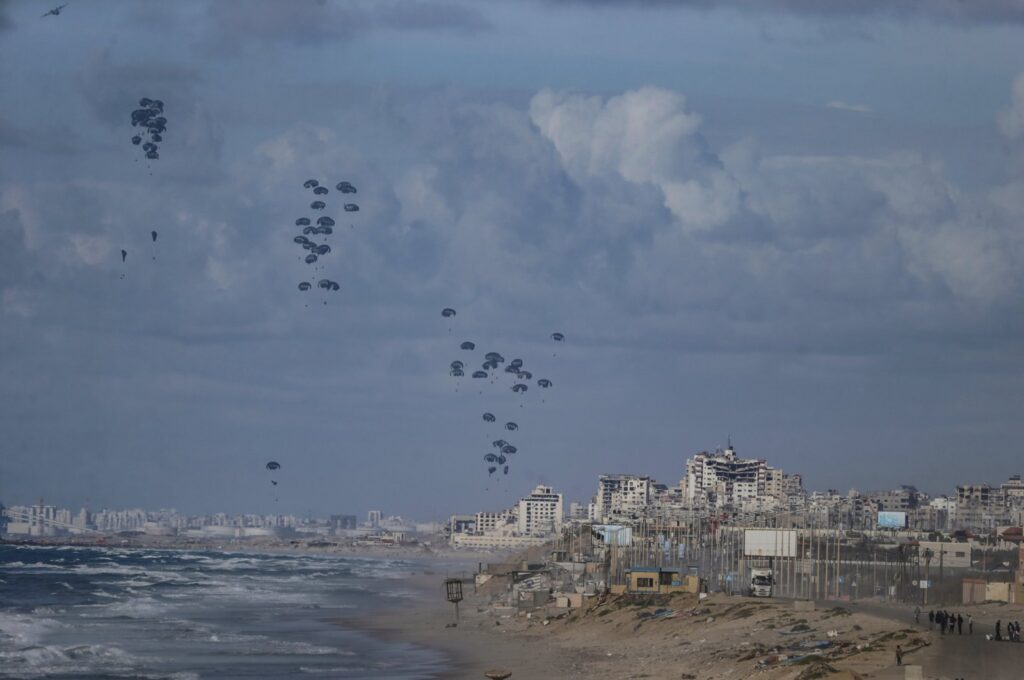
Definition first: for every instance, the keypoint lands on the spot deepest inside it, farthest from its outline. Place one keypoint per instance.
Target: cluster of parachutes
(150, 117)
(490, 369)
(323, 227)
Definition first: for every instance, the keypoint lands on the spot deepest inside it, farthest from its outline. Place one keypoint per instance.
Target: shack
(660, 580)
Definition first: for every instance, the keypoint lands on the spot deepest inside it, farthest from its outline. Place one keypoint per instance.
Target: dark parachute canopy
(491, 470)
(558, 337)
(302, 222)
(457, 373)
(495, 357)
(327, 284)
(458, 364)
(467, 345)
(124, 254)
(320, 191)
(154, 235)
(324, 221)
(345, 188)
(305, 285)
(519, 387)
(490, 365)
(499, 443)
(447, 312)
(273, 465)
(148, 117)
(524, 375)
(351, 207)
(511, 427)
(489, 417)
(480, 374)
(311, 258)
(490, 458)
(508, 449)
(317, 205)
(311, 184)
(544, 382)
(516, 363)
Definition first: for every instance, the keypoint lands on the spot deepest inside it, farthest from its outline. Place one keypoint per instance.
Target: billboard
(615, 534)
(892, 520)
(769, 542)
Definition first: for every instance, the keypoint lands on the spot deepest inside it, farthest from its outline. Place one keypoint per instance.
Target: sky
(797, 225)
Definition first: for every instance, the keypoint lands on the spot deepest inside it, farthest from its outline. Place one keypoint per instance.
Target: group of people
(1012, 631)
(948, 620)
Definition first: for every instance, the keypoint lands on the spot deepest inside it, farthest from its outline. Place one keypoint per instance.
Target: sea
(99, 612)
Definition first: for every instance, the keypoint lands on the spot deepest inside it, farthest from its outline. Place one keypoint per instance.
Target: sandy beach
(682, 637)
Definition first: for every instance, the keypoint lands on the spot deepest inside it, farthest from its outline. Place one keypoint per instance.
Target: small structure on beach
(659, 580)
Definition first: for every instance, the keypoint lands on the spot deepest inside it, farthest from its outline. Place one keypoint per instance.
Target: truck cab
(761, 582)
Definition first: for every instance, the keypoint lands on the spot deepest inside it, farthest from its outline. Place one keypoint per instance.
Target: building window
(645, 583)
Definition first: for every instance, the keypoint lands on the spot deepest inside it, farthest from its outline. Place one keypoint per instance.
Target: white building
(620, 495)
(540, 513)
(722, 478)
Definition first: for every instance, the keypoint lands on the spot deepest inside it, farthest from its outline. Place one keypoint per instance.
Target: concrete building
(723, 478)
(540, 513)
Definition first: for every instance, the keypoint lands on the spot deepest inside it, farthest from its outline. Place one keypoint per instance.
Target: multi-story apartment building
(540, 513)
(722, 478)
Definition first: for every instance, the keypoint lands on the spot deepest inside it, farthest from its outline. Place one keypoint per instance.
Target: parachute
(506, 470)
(516, 363)
(499, 443)
(494, 356)
(345, 188)
(519, 387)
(467, 345)
(351, 207)
(558, 337)
(491, 470)
(490, 458)
(511, 427)
(124, 254)
(320, 191)
(148, 117)
(524, 375)
(317, 205)
(458, 364)
(544, 382)
(490, 365)
(311, 184)
(305, 285)
(447, 312)
(508, 449)
(325, 221)
(489, 417)
(322, 249)
(303, 222)
(501, 459)
(273, 465)
(153, 234)
(327, 284)
(480, 374)
(457, 373)
(311, 258)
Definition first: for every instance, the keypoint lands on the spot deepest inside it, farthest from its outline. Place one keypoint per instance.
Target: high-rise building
(725, 479)
(540, 513)
(373, 518)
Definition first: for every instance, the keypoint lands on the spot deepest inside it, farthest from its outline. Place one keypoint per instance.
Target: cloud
(843, 106)
(946, 11)
(238, 24)
(1011, 120)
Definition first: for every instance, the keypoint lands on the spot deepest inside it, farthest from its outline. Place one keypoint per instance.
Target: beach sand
(720, 637)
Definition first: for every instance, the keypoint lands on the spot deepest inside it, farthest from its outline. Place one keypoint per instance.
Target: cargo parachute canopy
(519, 387)
(345, 187)
(544, 382)
(467, 345)
(489, 417)
(311, 184)
(447, 312)
(480, 374)
(511, 427)
(273, 465)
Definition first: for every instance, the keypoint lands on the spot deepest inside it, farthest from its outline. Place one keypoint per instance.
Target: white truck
(761, 581)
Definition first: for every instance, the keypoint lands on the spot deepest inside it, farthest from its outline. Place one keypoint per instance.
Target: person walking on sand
(940, 618)
(952, 622)
(999, 629)
(959, 624)
(931, 619)
(899, 655)
(970, 624)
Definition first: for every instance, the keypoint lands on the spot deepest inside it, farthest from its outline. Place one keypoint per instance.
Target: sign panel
(615, 534)
(769, 542)
(892, 520)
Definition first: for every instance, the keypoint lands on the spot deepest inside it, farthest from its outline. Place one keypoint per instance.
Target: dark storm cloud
(952, 11)
(236, 24)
